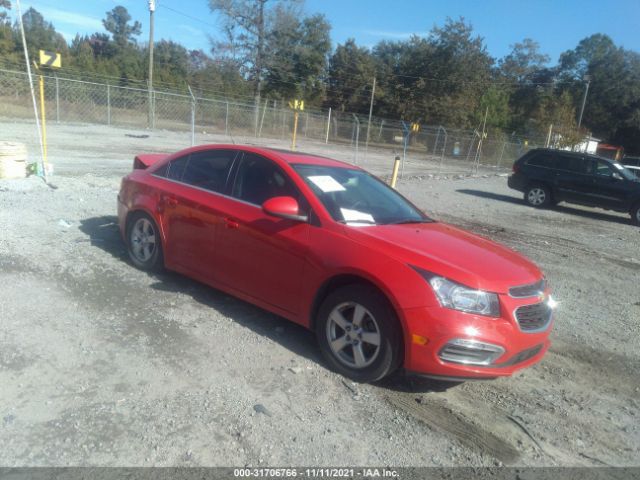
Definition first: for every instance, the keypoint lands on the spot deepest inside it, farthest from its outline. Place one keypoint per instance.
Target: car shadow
(559, 208)
(407, 382)
(103, 233)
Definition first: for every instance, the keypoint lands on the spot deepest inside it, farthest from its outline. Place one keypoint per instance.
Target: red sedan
(329, 246)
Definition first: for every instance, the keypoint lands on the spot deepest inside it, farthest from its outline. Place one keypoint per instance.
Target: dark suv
(550, 176)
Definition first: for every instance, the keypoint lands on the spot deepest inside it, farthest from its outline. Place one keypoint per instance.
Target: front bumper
(441, 327)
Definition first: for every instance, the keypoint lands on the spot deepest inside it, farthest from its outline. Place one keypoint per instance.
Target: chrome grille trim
(529, 290)
(533, 318)
(470, 352)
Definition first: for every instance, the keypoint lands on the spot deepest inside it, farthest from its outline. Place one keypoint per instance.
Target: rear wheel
(359, 334)
(635, 214)
(538, 196)
(143, 242)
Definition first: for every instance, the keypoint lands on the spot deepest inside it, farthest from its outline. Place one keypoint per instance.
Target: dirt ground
(102, 364)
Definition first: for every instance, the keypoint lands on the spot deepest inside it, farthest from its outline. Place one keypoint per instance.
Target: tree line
(272, 50)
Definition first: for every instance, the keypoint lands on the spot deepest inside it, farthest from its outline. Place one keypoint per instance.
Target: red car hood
(451, 252)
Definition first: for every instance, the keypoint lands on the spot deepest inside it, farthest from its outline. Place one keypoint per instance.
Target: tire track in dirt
(440, 417)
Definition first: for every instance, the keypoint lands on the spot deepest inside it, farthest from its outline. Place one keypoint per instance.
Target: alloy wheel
(536, 196)
(143, 240)
(353, 335)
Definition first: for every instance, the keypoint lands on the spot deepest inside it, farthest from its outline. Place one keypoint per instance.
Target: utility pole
(373, 92)
(586, 78)
(152, 9)
(259, 61)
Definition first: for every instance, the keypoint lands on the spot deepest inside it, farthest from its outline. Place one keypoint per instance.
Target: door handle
(231, 223)
(170, 201)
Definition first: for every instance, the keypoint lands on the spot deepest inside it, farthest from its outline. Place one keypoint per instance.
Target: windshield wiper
(351, 222)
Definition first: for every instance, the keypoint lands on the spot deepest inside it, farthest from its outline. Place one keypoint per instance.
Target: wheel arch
(344, 279)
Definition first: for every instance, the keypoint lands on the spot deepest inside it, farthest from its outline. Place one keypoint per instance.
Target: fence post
(357, 132)
(326, 139)
(504, 144)
(380, 131)
(444, 147)
(108, 104)
(264, 110)
(226, 121)
(193, 117)
(57, 101)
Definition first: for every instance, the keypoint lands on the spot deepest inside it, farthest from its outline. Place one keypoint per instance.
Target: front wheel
(143, 242)
(635, 214)
(538, 196)
(359, 334)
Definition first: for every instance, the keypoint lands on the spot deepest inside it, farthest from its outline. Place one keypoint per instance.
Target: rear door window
(209, 169)
(572, 163)
(545, 159)
(176, 168)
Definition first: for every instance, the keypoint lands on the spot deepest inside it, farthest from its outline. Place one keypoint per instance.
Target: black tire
(367, 314)
(144, 244)
(635, 214)
(538, 196)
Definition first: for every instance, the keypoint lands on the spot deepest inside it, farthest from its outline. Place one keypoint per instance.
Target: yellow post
(295, 129)
(44, 126)
(394, 175)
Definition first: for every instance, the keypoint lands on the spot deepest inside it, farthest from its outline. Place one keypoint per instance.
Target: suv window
(259, 179)
(572, 163)
(208, 169)
(602, 169)
(543, 159)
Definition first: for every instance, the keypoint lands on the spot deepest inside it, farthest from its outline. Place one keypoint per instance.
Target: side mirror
(617, 176)
(284, 207)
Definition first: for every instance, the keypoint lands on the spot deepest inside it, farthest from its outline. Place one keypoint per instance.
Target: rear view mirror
(284, 207)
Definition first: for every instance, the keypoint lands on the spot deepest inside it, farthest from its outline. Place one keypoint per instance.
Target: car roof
(293, 157)
(569, 152)
(289, 156)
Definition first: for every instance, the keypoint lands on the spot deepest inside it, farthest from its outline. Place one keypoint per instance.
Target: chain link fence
(431, 149)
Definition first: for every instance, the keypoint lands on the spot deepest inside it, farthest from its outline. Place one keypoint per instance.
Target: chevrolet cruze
(330, 247)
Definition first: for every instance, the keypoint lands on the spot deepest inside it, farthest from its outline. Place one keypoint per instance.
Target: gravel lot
(102, 364)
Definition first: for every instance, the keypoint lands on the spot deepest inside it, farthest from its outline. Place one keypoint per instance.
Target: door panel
(262, 256)
(257, 254)
(189, 209)
(607, 192)
(572, 181)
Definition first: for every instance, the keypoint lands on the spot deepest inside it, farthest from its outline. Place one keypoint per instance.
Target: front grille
(530, 290)
(533, 318)
(470, 352)
(523, 356)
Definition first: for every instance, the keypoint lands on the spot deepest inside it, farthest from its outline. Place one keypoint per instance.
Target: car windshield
(355, 197)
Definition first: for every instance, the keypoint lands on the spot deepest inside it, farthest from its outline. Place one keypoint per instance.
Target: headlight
(458, 297)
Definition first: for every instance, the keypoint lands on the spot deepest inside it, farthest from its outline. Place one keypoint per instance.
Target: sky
(557, 25)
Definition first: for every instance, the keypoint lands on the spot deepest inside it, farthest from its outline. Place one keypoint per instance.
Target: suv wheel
(635, 214)
(538, 196)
